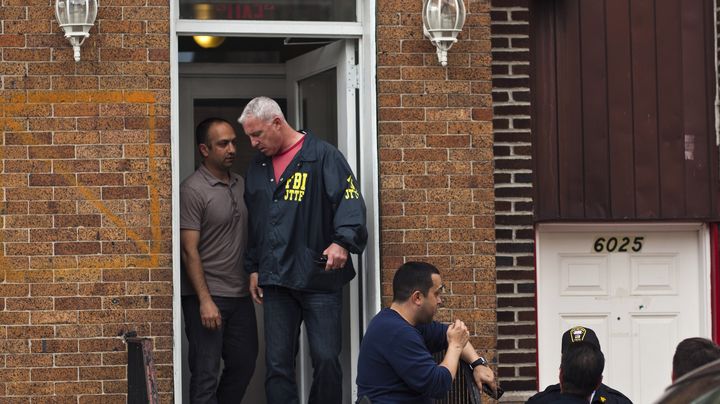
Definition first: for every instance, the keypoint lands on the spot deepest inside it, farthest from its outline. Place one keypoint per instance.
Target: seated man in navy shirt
(395, 364)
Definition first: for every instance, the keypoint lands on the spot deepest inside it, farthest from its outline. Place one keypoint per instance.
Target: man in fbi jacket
(306, 214)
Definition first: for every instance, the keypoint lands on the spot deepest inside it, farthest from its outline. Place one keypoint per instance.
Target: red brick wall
(436, 168)
(85, 198)
(513, 197)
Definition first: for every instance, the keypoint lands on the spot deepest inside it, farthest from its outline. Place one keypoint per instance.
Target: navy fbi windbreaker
(316, 202)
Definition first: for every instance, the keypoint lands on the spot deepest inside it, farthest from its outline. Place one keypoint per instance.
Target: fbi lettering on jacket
(295, 187)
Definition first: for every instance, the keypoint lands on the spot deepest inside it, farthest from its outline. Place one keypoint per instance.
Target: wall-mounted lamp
(442, 22)
(76, 17)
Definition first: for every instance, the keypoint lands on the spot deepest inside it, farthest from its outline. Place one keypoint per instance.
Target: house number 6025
(618, 244)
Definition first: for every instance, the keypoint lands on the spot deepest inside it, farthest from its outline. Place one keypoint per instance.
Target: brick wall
(85, 199)
(435, 151)
(513, 197)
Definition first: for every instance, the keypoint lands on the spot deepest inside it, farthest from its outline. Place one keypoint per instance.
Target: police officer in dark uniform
(602, 395)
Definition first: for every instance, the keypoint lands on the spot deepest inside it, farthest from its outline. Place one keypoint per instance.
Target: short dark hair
(691, 353)
(582, 366)
(203, 128)
(412, 276)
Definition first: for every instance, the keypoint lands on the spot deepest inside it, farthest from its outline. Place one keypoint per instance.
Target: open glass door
(321, 87)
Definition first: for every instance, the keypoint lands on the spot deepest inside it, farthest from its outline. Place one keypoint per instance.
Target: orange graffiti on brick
(15, 116)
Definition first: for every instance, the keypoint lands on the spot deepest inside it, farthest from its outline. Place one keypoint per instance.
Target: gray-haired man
(306, 215)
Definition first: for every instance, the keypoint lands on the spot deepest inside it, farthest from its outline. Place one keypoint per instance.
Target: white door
(641, 287)
(321, 88)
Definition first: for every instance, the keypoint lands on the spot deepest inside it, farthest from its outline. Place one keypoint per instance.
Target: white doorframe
(703, 255)
(368, 176)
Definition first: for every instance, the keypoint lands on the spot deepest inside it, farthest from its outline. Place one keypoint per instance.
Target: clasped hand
(458, 334)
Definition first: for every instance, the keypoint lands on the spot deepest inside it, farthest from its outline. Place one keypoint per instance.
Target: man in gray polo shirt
(219, 315)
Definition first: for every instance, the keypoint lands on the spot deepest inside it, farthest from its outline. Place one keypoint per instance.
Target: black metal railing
(141, 383)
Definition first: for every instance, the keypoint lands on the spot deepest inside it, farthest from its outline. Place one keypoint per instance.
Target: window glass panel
(318, 105)
(288, 10)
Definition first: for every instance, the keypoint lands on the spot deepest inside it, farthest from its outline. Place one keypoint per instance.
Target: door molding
(584, 227)
(295, 29)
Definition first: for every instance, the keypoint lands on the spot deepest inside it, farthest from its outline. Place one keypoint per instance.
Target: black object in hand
(487, 390)
(321, 261)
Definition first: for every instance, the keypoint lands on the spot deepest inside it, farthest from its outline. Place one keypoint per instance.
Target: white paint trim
(294, 29)
(706, 288)
(370, 175)
(583, 227)
(175, 173)
(539, 291)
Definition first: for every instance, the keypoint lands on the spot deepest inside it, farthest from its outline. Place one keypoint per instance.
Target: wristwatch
(479, 362)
